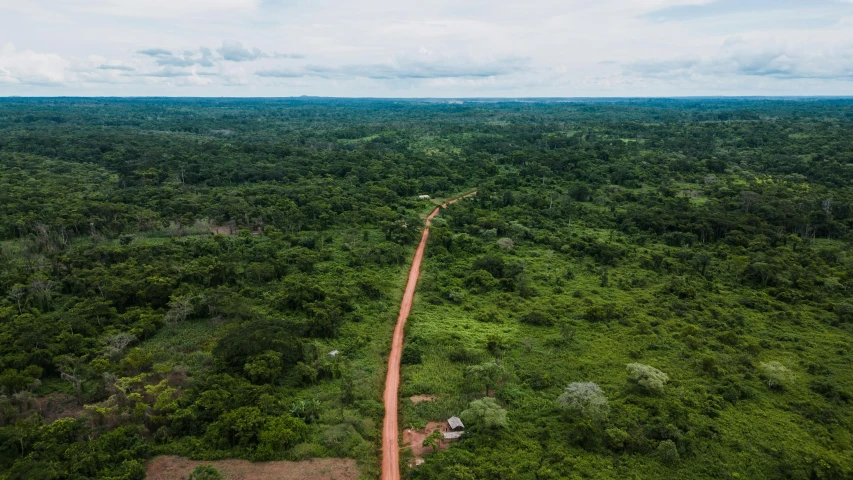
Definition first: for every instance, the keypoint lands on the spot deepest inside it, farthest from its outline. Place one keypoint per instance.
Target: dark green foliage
(62, 450)
(251, 342)
(412, 354)
(668, 452)
(491, 264)
(539, 318)
(249, 431)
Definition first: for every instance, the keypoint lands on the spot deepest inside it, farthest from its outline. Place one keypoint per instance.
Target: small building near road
(423, 197)
(454, 429)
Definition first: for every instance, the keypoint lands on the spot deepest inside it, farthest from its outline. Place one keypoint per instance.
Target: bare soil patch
(416, 399)
(59, 405)
(414, 440)
(173, 467)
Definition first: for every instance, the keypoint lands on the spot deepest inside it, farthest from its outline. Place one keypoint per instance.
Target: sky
(426, 48)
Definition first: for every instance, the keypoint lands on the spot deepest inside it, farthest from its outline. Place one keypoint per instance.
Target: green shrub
(649, 378)
(205, 472)
(484, 413)
(775, 374)
(538, 318)
(616, 438)
(584, 398)
(412, 354)
(668, 452)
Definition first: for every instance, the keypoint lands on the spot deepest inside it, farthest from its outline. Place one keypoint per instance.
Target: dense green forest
(640, 288)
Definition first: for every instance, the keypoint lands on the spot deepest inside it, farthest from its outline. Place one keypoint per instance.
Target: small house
(454, 429)
(423, 197)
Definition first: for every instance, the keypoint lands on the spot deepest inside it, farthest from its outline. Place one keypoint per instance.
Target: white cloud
(28, 67)
(422, 65)
(166, 8)
(435, 48)
(236, 52)
(753, 58)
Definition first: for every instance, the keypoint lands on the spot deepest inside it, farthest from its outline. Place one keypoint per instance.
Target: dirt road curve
(390, 431)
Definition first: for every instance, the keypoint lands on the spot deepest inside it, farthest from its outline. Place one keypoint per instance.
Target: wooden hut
(454, 429)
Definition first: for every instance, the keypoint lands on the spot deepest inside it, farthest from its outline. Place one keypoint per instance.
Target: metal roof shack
(455, 424)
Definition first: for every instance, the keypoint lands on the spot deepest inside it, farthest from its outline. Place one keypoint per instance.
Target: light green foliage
(279, 434)
(484, 413)
(585, 398)
(505, 243)
(776, 374)
(136, 361)
(649, 378)
(485, 375)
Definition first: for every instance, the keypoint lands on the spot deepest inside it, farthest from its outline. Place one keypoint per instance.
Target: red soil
(390, 430)
(416, 399)
(171, 467)
(414, 440)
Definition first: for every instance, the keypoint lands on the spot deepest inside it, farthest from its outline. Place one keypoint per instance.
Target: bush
(537, 318)
(776, 374)
(492, 264)
(505, 243)
(264, 368)
(616, 438)
(306, 451)
(486, 375)
(649, 378)
(668, 452)
(481, 281)
(484, 413)
(247, 428)
(844, 311)
(584, 398)
(411, 354)
(205, 472)
(596, 313)
(463, 355)
(489, 316)
(244, 344)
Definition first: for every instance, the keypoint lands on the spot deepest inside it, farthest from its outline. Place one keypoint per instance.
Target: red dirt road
(390, 430)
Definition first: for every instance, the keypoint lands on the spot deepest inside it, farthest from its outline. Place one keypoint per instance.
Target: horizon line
(460, 98)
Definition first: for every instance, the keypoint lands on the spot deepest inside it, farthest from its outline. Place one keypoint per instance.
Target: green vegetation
(205, 472)
(640, 288)
(640, 332)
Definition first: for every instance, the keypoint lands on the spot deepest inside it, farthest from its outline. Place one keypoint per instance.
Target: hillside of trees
(640, 288)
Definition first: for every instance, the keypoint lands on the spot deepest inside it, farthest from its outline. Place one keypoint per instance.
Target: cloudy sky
(426, 48)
